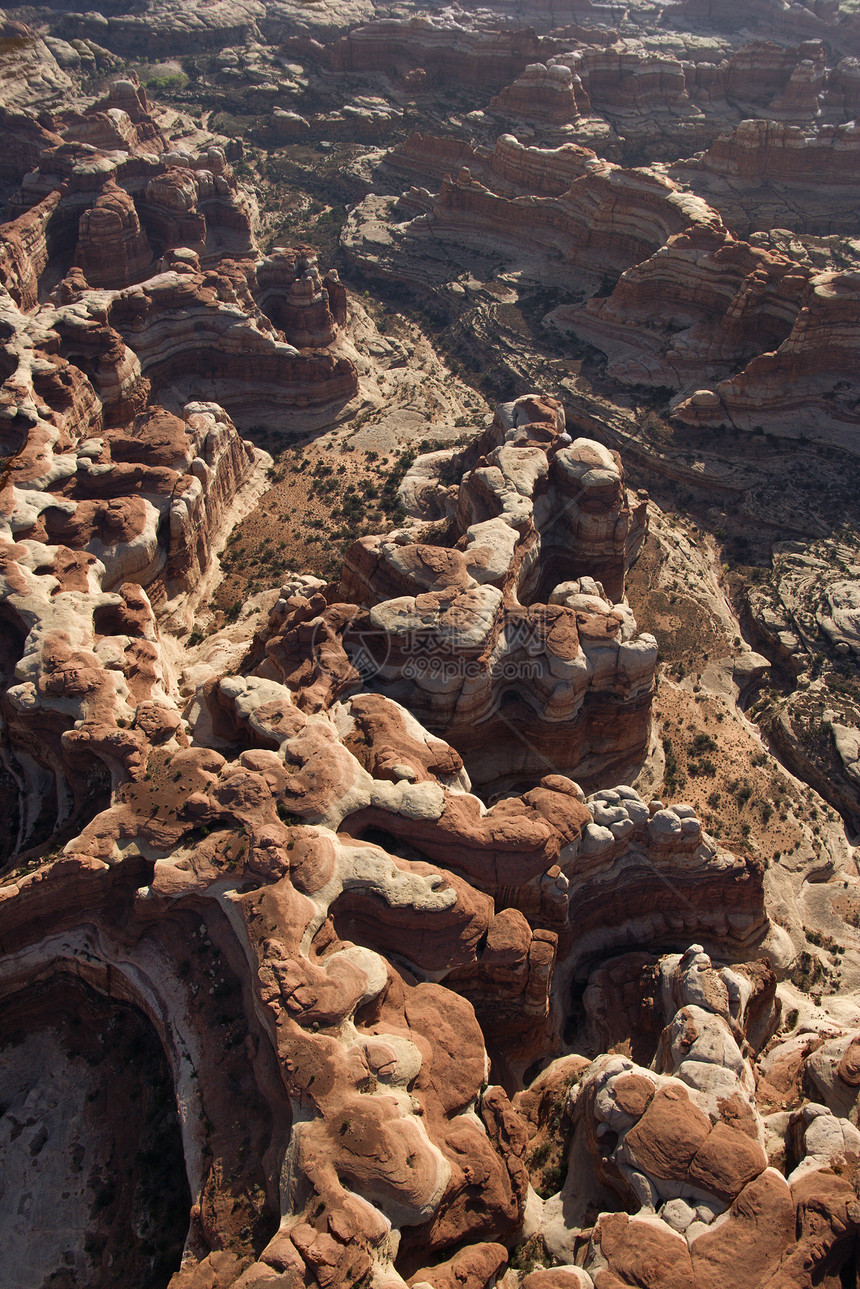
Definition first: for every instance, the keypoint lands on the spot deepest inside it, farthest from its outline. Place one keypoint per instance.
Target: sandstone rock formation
(439, 46)
(25, 140)
(693, 302)
(718, 301)
(121, 121)
(551, 94)
(763, 150)
(29, 74)
(784, 22)
(661, 99)
(112, 248)
(544, 172)
(465, 638)
(167, 284)
(305, 864)
(417, 988)
(169, 29)
(773, 344)
(806, 614)
(807, 381)
(581, 227)
(766, 174)
(682, 1140)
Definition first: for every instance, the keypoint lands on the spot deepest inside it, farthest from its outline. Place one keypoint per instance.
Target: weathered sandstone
(336, 949)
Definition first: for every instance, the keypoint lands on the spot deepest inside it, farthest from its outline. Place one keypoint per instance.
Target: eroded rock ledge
(501, 623)
(377, 991)
(350, 959)
(133, 269)
(743, 331)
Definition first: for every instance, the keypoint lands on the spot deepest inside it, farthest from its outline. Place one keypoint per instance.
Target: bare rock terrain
(429, 607)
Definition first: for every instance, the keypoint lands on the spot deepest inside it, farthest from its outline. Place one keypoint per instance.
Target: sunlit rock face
(338, 949)
(513, 641)
(133, 267)
(335, 940)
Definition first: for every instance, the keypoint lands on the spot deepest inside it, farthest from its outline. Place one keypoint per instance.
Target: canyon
(430, 751)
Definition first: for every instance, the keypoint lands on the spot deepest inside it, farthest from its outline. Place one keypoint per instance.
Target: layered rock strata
(501, 640)
(765, 174)
(269, 851)
(806, 614)
(607, 220)
(760, 151)
(180, 200)
(29, 73)
(547, 94)
(693, 303)
(112, 248)
(699, 307)
(659, 102)
(544, 172)
(292, 862)
(25, 140)
(807, 384)
(128, 271)
(438, 47)
(715, 1188)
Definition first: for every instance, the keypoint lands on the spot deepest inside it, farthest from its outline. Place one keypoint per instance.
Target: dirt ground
(714, 754)
(709, 751)
(330, 486)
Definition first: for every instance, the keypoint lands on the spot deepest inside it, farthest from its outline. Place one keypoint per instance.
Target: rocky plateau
(429, 567)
